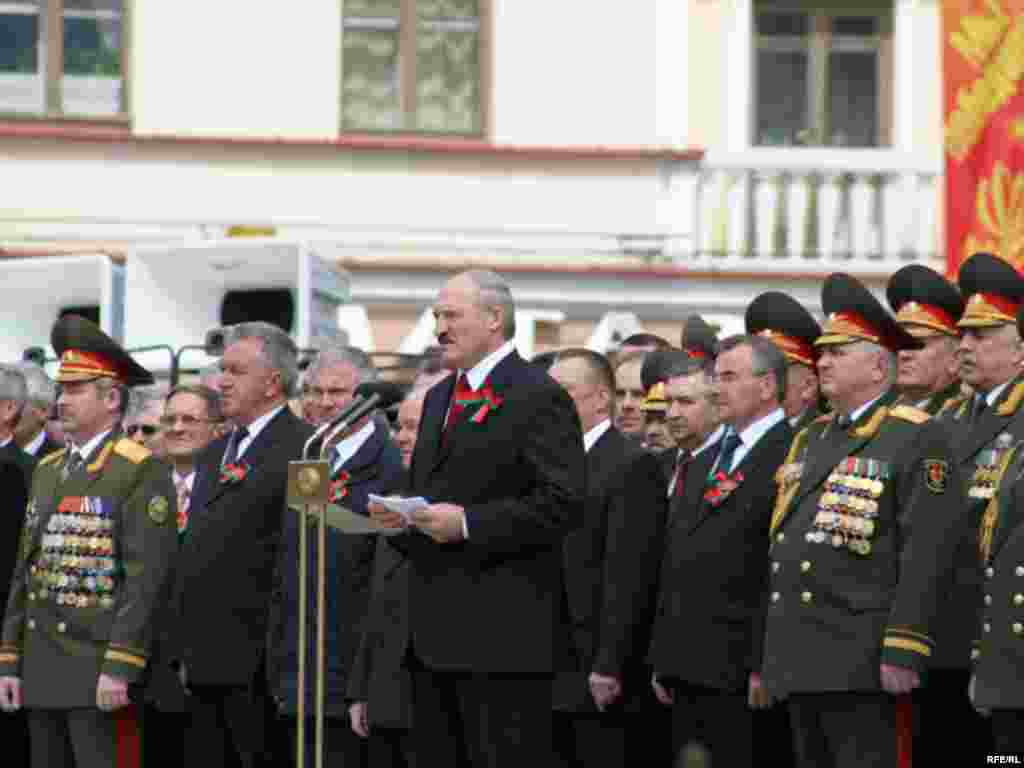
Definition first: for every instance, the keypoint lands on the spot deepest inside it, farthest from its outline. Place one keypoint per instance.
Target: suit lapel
(254, 454)
(686, 510)
(428, 443)
(500, 378)
(362, 465)
(778, 432)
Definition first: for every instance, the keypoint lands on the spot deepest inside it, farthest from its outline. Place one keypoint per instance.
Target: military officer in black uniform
(998, 686)
(784, 320)
(865, 526)
(928, 307)
(95, 548)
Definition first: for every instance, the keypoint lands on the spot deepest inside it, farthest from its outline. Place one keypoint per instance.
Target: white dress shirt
(992, 394)
(33, 445)
(348, 447)
(85, 451)
(595, 433)
(255, 428)
(753, 433)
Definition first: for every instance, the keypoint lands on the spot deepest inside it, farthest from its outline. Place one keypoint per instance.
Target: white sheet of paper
(344, 520)
(404, 506)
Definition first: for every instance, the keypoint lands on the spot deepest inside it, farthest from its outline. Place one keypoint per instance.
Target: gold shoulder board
(951, 402)
(52, 457)
(909, 413)
(132, 451)
(1010, 405)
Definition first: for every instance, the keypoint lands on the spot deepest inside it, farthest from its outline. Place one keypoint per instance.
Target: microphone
(368, 396)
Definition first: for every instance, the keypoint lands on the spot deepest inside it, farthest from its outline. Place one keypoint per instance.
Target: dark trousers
(943, 702)
(1007, 732)
(84, 738)
(229, 726)
(163, 740)
(14, 738)
(342, 747)
(591, 740)
(719, 720)
(844, 730)
(390, 748)
(481, 720)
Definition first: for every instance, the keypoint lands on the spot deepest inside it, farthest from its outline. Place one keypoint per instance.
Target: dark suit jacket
(225, 570)
(16, 468)
(611, 571)
(495, 602)
(375, 468)
(710, 618)
(836, 615)
(378, 676)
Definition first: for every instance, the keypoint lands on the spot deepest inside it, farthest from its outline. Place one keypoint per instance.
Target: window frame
(818, 43)
(408, 27)
(50, 58)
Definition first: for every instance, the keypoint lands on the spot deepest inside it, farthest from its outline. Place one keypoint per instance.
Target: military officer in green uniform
(866, 522)
(997, 688)
(928, 307)
(785, 321)
(97, 541)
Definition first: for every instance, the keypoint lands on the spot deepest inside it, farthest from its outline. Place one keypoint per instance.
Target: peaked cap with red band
(994, 291)
(786, 322)
(87, 353)
(699, 339)
(854, 314)
(923, 299)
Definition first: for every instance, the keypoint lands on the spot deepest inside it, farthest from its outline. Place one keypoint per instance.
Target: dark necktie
(683, 460)
(844, 421)
(980, 406)
(72, 465)
(730, 443)
(231, 454)
(457, 408)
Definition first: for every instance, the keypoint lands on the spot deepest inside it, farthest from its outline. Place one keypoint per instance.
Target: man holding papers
(500, 457)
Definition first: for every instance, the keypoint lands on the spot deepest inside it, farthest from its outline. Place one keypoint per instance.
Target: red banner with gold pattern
(983, 63)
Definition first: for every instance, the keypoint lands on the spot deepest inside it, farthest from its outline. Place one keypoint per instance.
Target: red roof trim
(113, 133)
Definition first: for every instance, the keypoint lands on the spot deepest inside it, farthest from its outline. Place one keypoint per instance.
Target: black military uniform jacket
(863, 534)
(1000, 656)
(95, 552)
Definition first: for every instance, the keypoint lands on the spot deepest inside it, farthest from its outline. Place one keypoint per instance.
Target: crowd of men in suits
(802, 543)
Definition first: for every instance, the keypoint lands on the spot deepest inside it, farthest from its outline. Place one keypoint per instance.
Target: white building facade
(659, 158)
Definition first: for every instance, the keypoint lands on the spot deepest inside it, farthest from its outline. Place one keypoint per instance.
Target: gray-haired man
(225, 570)
(32, 433)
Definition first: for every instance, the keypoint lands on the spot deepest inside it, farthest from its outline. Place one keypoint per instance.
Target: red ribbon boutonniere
(485, 399)
(338, 488)
(232, 474)
(722, 486)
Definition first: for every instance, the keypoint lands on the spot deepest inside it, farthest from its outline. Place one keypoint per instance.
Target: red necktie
(457, 408)
(682, 461)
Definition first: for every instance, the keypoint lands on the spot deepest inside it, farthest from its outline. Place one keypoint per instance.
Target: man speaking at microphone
(500, 459)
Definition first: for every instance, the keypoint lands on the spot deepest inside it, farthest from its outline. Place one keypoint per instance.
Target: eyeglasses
(187, 420)
(146, 429)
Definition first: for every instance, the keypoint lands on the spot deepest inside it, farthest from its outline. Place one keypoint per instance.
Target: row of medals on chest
(75, 557)
(848, 505)
(986, 471)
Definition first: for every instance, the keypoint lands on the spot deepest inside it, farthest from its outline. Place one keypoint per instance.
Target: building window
(823, 77)
(62, 57)
(412, 65)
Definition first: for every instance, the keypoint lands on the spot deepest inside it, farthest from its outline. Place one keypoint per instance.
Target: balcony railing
(810, 210)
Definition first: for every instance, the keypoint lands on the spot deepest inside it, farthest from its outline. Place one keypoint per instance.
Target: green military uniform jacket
(95, 551)
(937, 403)
(862, 538)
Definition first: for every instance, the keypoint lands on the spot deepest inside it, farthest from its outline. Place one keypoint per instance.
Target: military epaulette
(909, 413)
(132, 451)
(53, 456)
(1010, 405)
